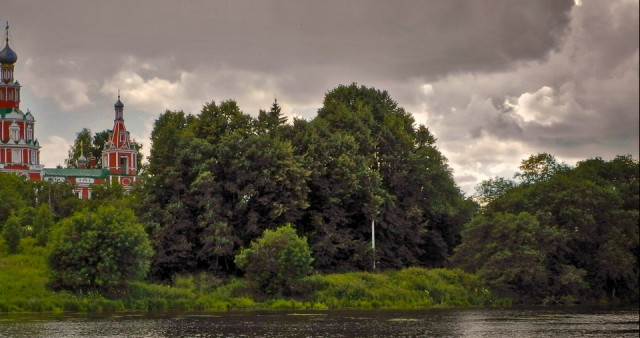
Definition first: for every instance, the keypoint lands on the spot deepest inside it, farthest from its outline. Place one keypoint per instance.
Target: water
(543, 322)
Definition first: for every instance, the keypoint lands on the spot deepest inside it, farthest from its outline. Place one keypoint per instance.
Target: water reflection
(548, 322)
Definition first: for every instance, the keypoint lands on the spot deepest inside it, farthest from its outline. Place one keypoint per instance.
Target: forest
(230, 195)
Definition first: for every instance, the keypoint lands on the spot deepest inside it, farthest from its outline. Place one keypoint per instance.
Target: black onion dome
(8, 56)
(119, 104)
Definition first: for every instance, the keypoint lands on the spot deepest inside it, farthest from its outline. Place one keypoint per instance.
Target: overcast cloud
(494, 80)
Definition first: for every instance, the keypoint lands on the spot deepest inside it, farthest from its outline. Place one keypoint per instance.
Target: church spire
(7, 55)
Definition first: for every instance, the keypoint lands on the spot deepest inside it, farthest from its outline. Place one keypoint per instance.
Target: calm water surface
(545, 322)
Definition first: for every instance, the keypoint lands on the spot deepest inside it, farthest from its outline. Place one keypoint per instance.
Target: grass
(24, 277)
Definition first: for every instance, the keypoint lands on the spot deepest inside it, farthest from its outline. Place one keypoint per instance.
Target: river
(478, 322)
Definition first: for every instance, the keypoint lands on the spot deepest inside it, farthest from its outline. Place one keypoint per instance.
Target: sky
(494, 80)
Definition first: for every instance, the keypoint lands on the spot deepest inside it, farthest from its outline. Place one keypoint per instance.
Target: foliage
(369, 162)
(276, 260)
(24, 276)
(218, 179)
(226, 185)
(42, 223)
(11, 232)
(98, 250)
(407, 288)
(593, 209)
(517, 256)
(539, 167)
(14, 194)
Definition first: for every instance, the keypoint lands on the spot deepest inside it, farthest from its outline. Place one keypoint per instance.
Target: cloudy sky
(494, 80)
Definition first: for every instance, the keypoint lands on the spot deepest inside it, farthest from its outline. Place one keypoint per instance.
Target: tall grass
(408, 288)
(24, 277)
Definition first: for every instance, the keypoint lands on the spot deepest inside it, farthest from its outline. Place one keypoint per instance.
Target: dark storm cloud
(494, 80)
(391, 38)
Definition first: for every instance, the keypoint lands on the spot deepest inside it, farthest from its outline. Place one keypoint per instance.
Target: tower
(119, 154)
(19, 149)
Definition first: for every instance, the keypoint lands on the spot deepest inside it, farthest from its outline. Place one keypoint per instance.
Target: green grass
(408, 288)
(24, 277)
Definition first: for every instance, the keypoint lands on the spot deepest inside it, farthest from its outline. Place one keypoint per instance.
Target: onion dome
(119, 104)
(82, 162)
(7, 55)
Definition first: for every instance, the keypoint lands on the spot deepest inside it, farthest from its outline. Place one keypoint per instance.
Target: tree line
(558, 234)
(220, 185)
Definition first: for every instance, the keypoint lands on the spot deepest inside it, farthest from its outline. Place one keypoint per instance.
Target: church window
(14, 132)
(16, 156)
(29, 133)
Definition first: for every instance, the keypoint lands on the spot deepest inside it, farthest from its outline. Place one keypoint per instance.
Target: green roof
(74, 172)
(5, 111)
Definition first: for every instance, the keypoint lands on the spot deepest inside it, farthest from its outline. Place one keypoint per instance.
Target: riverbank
(24, 277)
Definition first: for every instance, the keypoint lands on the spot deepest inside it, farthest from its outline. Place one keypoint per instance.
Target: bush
(99, 250)
(276, 260)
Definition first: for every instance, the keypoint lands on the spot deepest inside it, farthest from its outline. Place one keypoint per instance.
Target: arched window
(14, 131)
(16, 155)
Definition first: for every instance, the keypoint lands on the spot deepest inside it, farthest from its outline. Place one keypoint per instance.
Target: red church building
(20, 150)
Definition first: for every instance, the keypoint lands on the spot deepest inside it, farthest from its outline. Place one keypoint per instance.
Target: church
(20, 149)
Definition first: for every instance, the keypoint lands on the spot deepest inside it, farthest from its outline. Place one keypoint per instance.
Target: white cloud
(54, 151)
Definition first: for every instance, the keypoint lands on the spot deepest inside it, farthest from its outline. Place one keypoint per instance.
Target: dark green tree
(516, 255)
(492, 189)
(217, 187)
(42, 223)
(12, 232)
(421, 210)
(595, 205)
(14, 194)
(270, 121)
(539, 167)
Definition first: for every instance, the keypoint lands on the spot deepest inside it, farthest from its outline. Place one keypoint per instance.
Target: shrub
(276, 260)
(99, 250)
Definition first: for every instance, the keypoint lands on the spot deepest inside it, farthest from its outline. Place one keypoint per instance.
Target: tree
(596, 206)
(492, 189)
(271, 120)
(42, 223)
(98, 250)
(12, 232)
(276, 260)
(419, 210)
(539, 167)
(515, 254)
(82, 146)
(14, 194)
